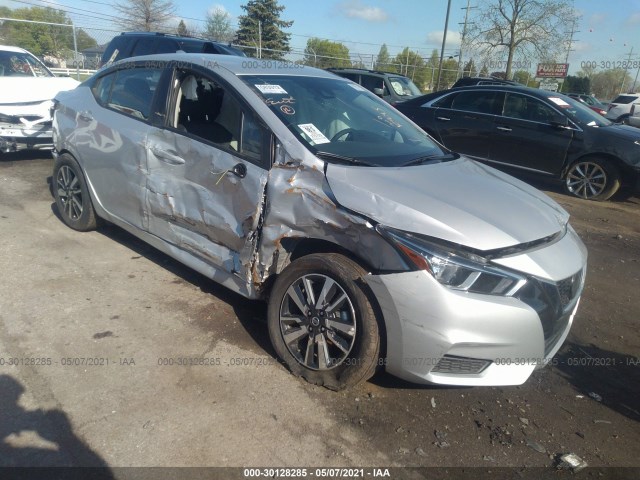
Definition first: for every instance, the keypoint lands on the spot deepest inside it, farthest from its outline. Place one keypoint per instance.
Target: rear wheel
(321, 321)
(592, 179)
(72, 195)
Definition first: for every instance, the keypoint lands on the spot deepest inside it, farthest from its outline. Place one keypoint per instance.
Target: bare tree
(532, 28)
(145, 15)
(218, 25)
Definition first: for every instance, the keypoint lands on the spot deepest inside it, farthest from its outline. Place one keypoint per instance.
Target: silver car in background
(374, 246)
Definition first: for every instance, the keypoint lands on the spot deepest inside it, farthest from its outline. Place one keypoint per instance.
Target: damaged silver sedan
(375, 247)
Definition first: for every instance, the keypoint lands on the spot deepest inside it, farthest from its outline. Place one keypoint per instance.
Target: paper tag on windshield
(560, 102)
(271, 89)
(314, 134)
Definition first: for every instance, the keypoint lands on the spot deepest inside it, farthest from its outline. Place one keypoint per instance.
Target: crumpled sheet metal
(204, 209)
(299, 204)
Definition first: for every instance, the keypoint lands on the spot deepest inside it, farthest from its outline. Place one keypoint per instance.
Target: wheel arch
(294, 248)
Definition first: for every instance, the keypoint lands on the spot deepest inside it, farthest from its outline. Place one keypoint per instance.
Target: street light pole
(444, 41)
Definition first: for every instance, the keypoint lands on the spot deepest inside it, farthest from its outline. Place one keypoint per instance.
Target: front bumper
(438, 335)
(15, 137)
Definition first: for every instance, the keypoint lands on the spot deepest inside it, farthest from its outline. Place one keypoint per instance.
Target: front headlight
(453, 267)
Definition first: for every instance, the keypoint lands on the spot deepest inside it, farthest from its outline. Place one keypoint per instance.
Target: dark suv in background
(135, 44)
(392, 87)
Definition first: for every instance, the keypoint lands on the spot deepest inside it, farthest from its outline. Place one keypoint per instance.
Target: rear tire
(592, 179)
(72, 195)
(322, 323)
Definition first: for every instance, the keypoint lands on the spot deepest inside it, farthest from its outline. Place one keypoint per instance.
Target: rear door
(208, 170)
(464, 121)
(524, 136)
(110, 138)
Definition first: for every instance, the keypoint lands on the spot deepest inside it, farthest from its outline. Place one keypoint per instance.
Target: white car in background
(27, 88)
(619, 109)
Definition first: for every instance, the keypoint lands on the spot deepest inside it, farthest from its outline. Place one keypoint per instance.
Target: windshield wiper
(342, 158)
(437, 158)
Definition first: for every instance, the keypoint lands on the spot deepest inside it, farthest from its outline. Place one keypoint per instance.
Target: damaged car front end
(27, 88)
(374, 246)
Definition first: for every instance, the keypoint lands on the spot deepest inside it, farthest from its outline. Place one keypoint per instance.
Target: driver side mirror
(559, 121)
(378, 91)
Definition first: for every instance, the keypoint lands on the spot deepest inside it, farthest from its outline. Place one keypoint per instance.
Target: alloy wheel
(586, 180)
(317, 322)
(69, 192)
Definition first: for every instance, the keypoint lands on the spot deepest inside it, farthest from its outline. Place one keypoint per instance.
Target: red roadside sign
(552, 70)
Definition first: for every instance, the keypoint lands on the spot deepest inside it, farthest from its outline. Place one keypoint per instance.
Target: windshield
(404, 87)
(341, 121)
(21, 64)
(578, 112)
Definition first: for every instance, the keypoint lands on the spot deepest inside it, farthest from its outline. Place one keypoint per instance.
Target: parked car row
(374, 246)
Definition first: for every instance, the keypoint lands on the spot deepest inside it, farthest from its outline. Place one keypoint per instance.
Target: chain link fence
(77, 50)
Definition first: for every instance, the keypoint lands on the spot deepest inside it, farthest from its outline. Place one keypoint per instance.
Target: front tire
(592, 179)
(72, 195)
(322, 323)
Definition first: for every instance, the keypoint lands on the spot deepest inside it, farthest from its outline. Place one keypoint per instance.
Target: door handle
(167, 156)
(239, 170)
(85, 116)
(504, 129)
(443, 119)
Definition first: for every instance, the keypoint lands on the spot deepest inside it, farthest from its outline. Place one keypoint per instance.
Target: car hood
(624, 132)
(32, 89)
(459, 201)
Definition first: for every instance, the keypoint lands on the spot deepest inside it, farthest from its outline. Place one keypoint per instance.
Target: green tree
(218, 26)
(525, 27)
(469, 69)
(145, 15)
(411, 64)
(606, 85)
(450, 67)
(262, 28)
(182, 29)
(40, 39)
(575, 84)
(325, 53)
(522, 76)
(383, 59)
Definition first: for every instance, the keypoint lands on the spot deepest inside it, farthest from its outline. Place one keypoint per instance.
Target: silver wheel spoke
(309, 355)
(328, 290)
(323, 353)
(308, 288)
(295, 335)
(340, 300)
(295, 294)
(339, 342)
(341, 327)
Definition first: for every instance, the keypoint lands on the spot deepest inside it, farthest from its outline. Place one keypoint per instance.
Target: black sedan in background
(534, 130)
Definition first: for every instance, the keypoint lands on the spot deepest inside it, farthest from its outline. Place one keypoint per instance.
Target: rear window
(626, 99)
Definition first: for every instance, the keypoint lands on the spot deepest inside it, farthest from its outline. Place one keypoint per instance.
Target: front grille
(451, 364)
(553, 303)
(569, 288)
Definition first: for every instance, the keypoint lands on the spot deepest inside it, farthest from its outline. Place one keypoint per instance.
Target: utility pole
(259, 39)
(444, 41)
(571, 34)
(626, 69)
(464, 35)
